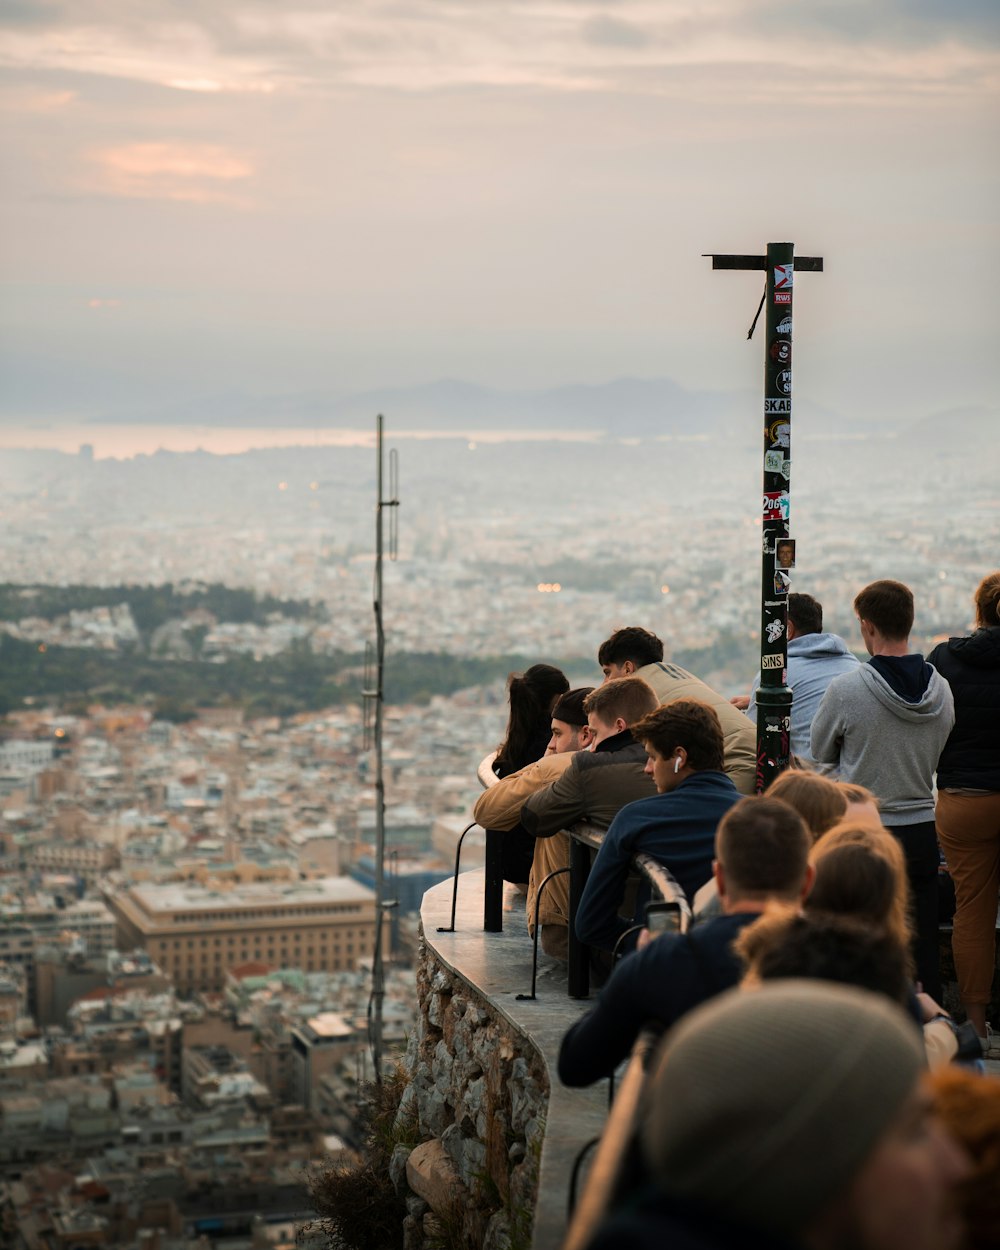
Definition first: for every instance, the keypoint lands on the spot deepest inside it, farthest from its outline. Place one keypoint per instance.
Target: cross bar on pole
(803, 264)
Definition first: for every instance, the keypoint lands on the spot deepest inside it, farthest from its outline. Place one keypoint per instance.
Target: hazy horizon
(248, 200)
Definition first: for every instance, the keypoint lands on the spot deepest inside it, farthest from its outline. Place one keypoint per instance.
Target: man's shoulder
(828, 648)
(852, 681)
(550, 767)
(632, 753)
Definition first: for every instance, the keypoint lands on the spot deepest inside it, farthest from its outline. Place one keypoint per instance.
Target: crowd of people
(810, 1090)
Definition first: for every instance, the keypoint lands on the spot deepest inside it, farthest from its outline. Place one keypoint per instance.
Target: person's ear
(628, 668)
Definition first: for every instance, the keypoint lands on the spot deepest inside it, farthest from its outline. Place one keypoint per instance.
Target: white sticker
(774, 407)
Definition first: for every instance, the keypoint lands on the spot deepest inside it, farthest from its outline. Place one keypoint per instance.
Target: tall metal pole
(378, 695)
(774, 696)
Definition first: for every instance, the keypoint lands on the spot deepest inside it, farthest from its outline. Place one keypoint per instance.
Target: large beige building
(196, 933)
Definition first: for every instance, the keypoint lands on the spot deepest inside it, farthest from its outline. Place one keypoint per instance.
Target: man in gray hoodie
(884, 726)
(814, 660)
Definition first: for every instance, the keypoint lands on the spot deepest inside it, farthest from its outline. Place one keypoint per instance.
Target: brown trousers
(969, 832)
(550, 853)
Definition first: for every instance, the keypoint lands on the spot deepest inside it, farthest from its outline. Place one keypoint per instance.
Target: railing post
(578, 955)
(493, 892)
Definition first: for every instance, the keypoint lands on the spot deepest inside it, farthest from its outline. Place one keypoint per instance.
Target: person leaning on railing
(761, 858)
(676, 826)
(499, 808)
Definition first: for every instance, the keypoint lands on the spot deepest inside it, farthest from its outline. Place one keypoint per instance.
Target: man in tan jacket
(635, 652)
(499, 807)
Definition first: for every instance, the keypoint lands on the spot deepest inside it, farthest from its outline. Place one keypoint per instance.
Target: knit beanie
(569, 709)
(766, 1103)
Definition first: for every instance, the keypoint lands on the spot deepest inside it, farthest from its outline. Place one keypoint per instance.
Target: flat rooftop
(185, 896)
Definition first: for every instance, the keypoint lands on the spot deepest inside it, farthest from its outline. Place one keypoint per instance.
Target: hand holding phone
(663, 917)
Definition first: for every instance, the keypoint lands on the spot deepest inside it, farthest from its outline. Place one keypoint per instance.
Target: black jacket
(654, 986)
(594, 788)
(971, 666)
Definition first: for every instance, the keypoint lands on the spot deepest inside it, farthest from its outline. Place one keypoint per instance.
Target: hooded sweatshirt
(868, 733)
(971, 666)
(814, 660)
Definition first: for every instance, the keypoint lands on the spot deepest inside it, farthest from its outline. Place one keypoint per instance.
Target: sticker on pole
(772, 661)
(773, 406)
(783, 284)
(784, 326)
(780, 351)
(773, 461)
(784, 381)
(784, 553)
(779, 434)
(781, 582)
(776, 505)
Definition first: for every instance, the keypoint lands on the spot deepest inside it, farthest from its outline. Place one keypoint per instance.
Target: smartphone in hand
(663, 917)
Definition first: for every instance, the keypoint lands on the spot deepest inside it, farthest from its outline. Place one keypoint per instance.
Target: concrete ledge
(497, 967)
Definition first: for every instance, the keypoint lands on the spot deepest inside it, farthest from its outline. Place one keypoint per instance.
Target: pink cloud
(197, 172)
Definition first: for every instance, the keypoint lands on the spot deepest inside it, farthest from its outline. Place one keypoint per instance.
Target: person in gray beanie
(792, 1117)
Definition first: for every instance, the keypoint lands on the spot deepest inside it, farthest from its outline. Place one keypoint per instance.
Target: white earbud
(677, 764)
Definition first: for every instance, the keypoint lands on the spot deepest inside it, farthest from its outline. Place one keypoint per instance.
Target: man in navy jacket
(676, 826)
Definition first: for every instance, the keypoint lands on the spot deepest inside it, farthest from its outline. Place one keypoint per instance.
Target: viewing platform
(506, 1151)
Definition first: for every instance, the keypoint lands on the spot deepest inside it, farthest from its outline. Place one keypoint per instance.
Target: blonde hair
(818, 800)
(861, 872)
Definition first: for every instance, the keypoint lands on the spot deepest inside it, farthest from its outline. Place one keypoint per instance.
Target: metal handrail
(606, 1171)
(584, 839)
(556, 872)
(454, 886)
(484, 773)
(665, 884)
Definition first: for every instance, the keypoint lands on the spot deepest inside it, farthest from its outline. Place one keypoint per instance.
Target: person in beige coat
(499, 807)
(635, 652)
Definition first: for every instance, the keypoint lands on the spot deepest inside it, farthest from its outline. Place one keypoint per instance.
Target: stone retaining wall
(479, 1091)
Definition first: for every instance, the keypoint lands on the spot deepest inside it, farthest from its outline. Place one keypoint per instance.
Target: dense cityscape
(186, 905)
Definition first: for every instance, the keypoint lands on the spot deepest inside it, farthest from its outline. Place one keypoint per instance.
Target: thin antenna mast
(375, 698)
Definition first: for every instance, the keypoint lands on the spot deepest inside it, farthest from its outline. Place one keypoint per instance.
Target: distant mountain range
(625, 408)
(628, 407)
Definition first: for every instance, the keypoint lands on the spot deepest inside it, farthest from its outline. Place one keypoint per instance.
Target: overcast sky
(221, 196)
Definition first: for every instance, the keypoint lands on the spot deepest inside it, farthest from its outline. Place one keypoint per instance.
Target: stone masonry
(480, 1092)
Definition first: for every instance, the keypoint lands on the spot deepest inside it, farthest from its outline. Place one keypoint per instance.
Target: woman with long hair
(968, 803)
(532, 695)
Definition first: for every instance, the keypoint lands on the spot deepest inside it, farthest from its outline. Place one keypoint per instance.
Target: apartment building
(196, 933)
